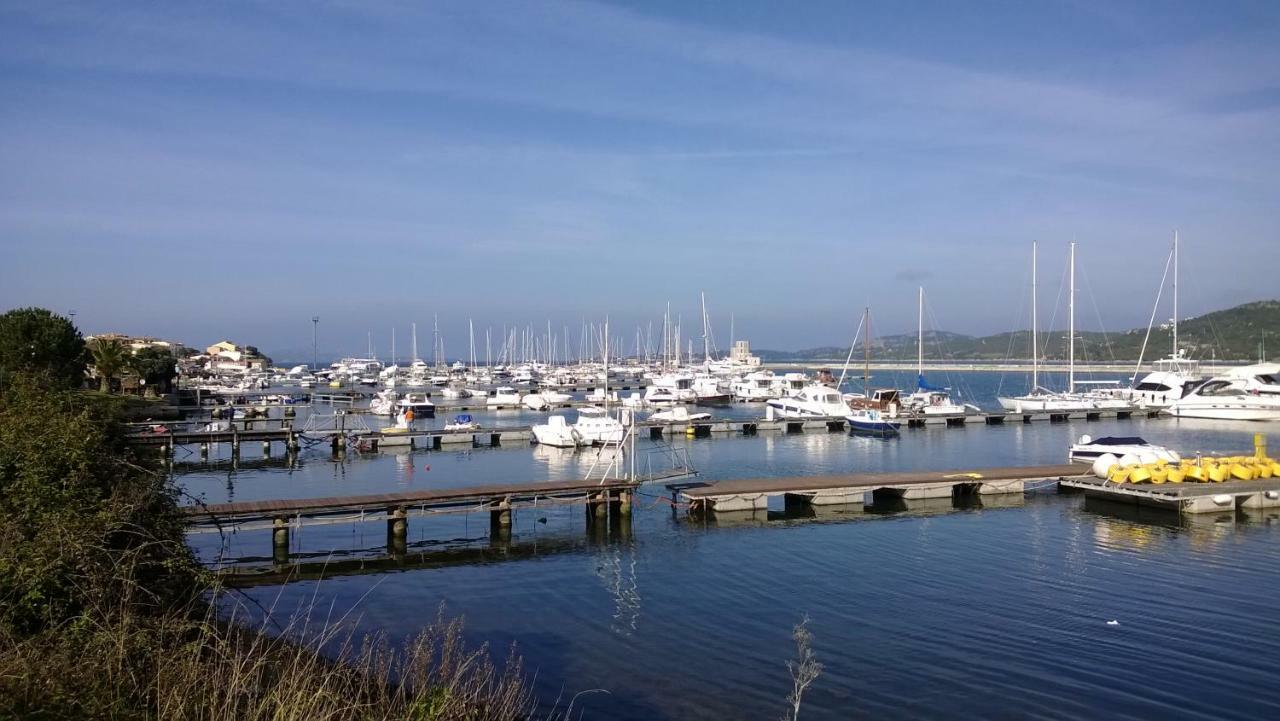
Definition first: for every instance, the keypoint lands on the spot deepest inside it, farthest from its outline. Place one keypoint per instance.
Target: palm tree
(109, 357)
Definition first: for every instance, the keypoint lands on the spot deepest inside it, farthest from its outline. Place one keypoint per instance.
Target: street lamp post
(315, 322)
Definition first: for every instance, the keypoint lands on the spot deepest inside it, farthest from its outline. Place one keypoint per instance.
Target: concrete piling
(397, 532)
(280, 540)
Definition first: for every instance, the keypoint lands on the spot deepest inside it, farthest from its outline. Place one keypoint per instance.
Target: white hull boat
(557, 432)
(813, 401)
(1090, 449)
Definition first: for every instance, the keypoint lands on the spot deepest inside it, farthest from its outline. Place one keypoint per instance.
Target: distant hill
(1231, 334)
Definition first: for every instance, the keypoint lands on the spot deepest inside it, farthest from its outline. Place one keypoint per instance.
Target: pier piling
(280, 540)
(397, 532)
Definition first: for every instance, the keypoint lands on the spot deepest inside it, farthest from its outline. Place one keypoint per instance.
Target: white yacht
(756, 386)
(789, 384)
(419, 403)
(1089, 449)
(812, 401)
(504, 396)
(597, 427)
(710, 391)
(928, 400)
(1042, 400)
(557, 432)
(671, 388)
(1248, 393)
(1170, 378)
(384, 403)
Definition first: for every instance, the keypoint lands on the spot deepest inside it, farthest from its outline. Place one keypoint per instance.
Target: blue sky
(200, 170)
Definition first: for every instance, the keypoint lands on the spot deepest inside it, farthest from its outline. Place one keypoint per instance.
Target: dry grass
(220, 670)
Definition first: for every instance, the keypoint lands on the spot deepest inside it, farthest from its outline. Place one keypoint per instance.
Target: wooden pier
(852, 489)
(601, 498)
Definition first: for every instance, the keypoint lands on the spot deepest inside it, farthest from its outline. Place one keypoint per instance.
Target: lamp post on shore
(315, 323)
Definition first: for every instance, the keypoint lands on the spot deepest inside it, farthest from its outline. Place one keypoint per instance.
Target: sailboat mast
(393, 345)
(1035, 331)
(1175, 294)
(706, 341)
(606, 365)
(920, 337)
(1071, 323)
(866, 357)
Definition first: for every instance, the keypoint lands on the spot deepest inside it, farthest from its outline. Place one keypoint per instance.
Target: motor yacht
(1248, 393)
(812, 401)
(557, 432)
(597, 427)
(1089, 449)
(419, 403)
(504, 396)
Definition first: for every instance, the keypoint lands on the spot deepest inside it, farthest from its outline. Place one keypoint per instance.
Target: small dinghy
(1089, 449)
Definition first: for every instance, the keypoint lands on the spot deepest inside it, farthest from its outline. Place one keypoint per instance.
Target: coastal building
(225, 355)
(740, 354)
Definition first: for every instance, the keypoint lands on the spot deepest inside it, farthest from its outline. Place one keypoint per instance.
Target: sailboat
(875, 412)
(596, 426)
(928, 400)
(1170, 378)
(1042, 400)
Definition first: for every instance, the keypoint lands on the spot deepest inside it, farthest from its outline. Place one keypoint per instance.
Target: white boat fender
(1147, 458)
(1086, 439)
(1103, 464)
(1128, 459)
(1222, 499)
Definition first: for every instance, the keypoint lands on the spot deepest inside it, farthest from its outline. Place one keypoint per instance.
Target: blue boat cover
(922, 385)
(1118, 441)
(464, 418)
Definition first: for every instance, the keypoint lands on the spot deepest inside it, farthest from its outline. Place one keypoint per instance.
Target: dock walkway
(754, 493)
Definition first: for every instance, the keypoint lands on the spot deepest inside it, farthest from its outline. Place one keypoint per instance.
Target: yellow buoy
(1176, 475)
(1118, 474)
(1218, 474)
(1241, 472)
(1140, 474)
(1159, 474)
(1263, 470)
(1195, 474)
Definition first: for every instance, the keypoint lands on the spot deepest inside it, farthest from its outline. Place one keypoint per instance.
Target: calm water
(933, 610)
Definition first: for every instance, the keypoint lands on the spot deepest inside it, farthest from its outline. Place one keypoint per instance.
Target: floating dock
(852, 489)
(1184, 497)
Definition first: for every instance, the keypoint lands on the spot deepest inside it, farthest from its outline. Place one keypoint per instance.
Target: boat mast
(920, 337)
(866, 357)
(1175, 295)
(1071, 323)
(471, 331)
(706, 341)
(606, 365)
(413, 331)
(393, 345)
(1035, 332)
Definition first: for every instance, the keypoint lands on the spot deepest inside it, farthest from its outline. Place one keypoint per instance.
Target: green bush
(85, 526)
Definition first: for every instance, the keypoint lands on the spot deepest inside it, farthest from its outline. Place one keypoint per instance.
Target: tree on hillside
(37, 342)
(109, 356)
